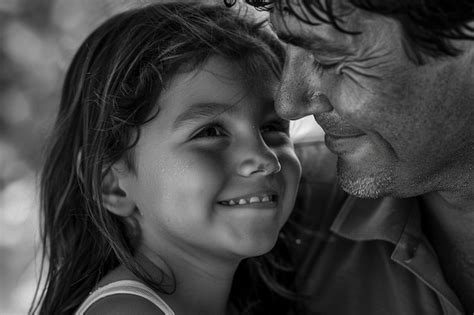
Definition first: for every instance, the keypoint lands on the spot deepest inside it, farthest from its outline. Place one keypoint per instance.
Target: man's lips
(340, 135)
(335, 127)
(346, 143)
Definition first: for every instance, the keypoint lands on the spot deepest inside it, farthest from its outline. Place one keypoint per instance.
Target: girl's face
(216, 174)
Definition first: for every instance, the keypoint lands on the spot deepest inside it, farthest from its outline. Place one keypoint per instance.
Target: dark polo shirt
(362, 256)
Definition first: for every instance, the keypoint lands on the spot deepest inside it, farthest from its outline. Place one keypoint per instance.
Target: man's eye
(210, 132)
(323, 66)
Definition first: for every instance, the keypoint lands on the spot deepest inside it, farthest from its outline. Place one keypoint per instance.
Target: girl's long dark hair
(110, 90)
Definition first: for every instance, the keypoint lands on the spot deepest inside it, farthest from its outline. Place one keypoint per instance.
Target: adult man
(390, 82)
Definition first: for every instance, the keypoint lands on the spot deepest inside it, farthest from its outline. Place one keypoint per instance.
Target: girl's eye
(210, 132)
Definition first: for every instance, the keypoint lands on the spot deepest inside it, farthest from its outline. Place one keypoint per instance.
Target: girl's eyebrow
(199, 111)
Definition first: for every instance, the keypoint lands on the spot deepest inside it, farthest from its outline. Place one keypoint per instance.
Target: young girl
(168, 168)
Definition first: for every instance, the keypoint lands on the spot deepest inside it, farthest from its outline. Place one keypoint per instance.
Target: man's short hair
(429, 26)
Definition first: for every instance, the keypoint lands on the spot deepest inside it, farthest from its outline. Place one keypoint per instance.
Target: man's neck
(448, 221)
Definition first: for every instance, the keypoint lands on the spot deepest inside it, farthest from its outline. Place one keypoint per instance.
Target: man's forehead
(295, 32)
(305, 9)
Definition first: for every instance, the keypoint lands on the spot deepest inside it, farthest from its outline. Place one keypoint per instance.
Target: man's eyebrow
(317, 45)
(199, 111)
(293, 40)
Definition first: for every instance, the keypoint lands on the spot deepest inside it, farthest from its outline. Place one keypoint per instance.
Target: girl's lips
(267, 197)
(257, 205)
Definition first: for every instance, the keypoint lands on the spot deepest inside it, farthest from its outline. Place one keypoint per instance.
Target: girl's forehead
(216, 88)
(222, 78)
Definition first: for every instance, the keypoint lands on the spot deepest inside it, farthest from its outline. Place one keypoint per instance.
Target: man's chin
(364, 183)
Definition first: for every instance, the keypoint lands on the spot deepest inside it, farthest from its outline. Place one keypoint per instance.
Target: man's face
(398, 128)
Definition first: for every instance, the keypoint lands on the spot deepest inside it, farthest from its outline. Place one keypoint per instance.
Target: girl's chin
(257, 248)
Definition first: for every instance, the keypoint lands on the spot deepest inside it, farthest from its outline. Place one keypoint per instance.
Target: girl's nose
(299, 94)
(257, 159)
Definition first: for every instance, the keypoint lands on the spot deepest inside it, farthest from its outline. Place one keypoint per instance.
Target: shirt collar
(373, 219)
(396, 221)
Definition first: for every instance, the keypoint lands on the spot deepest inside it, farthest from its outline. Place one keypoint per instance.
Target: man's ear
(114, 198)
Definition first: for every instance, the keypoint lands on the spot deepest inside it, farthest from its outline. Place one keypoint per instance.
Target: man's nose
(256, 158)
(300, 92)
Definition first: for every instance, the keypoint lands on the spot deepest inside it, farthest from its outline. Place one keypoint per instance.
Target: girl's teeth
(254, 199)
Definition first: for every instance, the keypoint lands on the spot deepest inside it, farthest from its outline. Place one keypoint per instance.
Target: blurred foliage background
(37, 41)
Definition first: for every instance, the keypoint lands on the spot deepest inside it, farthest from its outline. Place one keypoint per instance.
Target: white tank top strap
(125, 287)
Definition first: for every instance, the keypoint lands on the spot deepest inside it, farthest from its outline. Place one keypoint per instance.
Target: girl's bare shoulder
(124, 304)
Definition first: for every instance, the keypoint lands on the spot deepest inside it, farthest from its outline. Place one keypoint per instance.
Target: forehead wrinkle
(316, 13)
(324, 37)
(300, 35)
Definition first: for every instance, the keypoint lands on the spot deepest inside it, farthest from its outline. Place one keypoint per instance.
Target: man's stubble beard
(365, 183)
